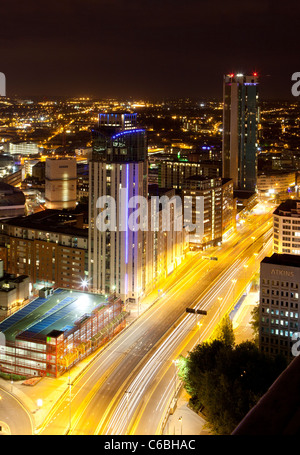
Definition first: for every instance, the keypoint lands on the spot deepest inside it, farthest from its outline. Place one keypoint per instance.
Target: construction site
(58, 329)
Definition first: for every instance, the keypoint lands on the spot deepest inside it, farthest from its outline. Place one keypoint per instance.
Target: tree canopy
(226, 380)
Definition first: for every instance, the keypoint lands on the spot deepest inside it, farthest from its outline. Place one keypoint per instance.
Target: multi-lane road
(128, 387)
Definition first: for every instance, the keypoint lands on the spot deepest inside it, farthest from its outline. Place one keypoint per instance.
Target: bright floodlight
(84, 283)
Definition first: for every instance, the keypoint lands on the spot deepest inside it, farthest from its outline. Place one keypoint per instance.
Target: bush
(12, 377)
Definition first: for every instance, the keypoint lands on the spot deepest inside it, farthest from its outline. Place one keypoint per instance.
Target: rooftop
(51, 221)
(288, 208)
(61, 311)
(9, 195)
(289, 260)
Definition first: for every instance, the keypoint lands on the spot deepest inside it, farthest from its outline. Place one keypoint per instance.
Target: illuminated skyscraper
(118, 161)
(240, 126)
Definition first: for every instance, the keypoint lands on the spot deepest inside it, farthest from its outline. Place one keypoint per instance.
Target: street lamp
(180, 420)
(199, 324)
(39, 403)
(84, 283)
(245, 270)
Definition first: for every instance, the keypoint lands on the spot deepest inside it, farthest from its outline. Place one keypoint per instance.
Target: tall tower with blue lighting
(118, 161)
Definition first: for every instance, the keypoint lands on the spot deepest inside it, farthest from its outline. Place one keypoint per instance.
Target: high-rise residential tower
(240, 128)
(118, 161)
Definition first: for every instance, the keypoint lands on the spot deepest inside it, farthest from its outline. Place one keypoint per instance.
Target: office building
(276, 184)
(173, 173)
(60, 183)
(22, 148)
(286, 227)
(240, 130)
(209, 218)
(166, 248)
(229, 208)
(279, 303)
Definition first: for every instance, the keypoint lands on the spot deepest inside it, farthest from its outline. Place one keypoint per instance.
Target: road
(103, 400)
(17, 420)
(149, 418)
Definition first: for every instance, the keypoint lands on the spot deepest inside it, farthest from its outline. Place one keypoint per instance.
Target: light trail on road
(101, 387)
(207, 333)
(164, 352)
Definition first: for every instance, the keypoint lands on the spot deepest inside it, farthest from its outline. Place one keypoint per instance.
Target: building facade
(72, 325)
(173, 174)
(240, 130)
(229, 208)
(208, 216)
(275, 184)
(286, 227)
(14, 292)
(117, 258)
(61, 183)
(166, 244)
(279, 304)
(47, 248)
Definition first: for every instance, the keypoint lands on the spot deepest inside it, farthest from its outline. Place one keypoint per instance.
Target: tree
(225, 331)
(227, 380)
(255, 323)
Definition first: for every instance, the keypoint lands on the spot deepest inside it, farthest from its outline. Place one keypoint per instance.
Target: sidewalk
(241, 321)
(184, 420)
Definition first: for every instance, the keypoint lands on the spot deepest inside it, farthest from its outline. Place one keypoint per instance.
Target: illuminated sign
(282, 273)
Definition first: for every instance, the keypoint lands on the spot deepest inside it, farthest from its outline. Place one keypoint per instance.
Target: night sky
(148, 48)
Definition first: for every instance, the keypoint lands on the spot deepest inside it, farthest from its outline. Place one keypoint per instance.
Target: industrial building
(57, 330)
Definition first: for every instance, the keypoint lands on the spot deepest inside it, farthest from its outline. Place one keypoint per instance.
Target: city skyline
(129, 49)
(149, 220)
